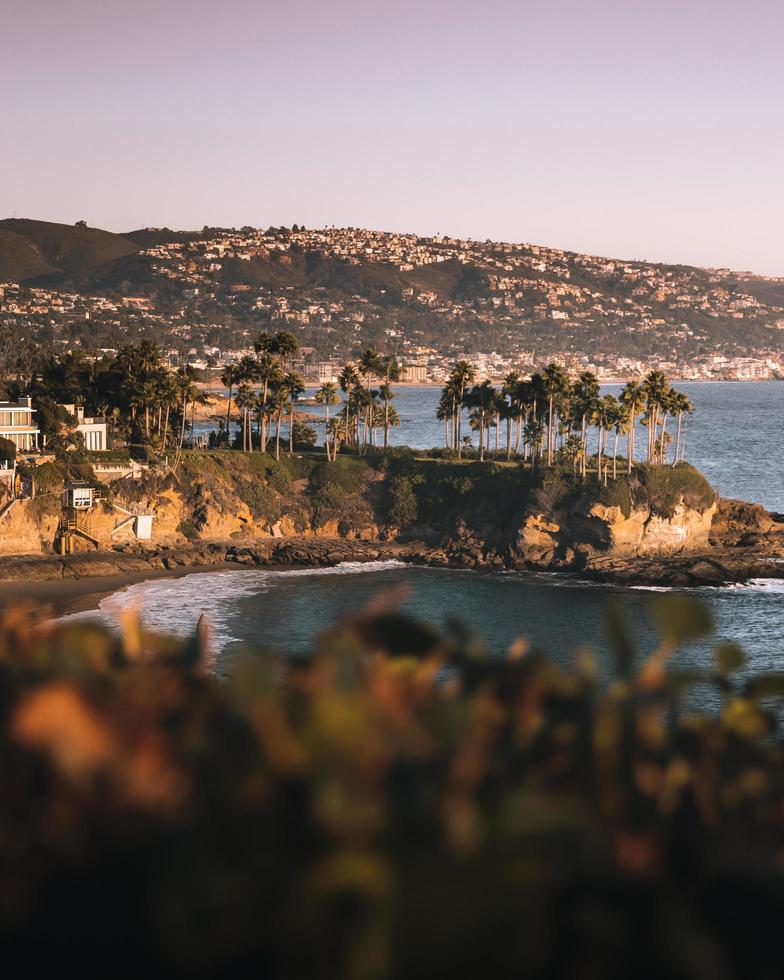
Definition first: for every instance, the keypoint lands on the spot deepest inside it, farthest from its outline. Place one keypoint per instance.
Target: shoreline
(60, 587)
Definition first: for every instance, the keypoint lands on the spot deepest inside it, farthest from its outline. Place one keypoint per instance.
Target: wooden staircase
(72, 527)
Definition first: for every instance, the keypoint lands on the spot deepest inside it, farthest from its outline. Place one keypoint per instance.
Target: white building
(94, 432)
(17, 425)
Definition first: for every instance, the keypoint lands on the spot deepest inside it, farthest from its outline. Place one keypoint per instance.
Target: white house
(94, 432)
(17, 424)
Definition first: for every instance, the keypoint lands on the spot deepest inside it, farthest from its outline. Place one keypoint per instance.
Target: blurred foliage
(399, 804)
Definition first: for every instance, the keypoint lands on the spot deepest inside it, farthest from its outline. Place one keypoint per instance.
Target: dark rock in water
(707, 572)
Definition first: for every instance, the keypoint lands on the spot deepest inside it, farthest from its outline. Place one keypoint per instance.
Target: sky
(642, 129)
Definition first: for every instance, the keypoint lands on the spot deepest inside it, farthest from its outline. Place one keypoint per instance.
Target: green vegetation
(7, 450)
(372, 817)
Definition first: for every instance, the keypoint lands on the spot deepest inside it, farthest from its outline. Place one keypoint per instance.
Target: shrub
(49, 477)
(664, 486)
(346, 472)
(263, 502)
(7, 450)
(403, 502)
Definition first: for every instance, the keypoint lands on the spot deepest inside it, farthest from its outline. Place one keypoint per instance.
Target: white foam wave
(173, 605)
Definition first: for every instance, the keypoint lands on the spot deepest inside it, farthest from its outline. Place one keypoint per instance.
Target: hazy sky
(647, 129)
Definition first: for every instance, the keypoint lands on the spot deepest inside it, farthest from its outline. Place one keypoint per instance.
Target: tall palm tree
(269, 373)
(462, 375)
(556, 385)
(348, 379)
(228, 379)
(482, 399)
(654, 389)
(291, 387)
(509, 410)
(327, 395)
(631, 398)
(683, 406)
(585, 399)
(246, 402)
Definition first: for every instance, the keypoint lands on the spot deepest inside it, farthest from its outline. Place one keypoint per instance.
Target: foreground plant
(399, 804)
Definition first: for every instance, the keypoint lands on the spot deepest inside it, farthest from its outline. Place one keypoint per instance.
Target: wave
(173, 605)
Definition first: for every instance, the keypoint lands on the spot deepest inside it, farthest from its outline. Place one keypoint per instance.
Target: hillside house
(18, 426)
(93, 430)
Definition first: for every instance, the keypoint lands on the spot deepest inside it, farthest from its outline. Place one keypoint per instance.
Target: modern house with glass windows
(17, 424)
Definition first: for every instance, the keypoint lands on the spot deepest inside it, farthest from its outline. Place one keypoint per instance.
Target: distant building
(94, 432)
(413, 373)
(17, 425)
(327, 371)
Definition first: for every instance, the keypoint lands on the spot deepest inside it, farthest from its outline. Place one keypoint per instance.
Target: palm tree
(291, 387)
(462, 375)
(556, 385)
(631, 398)
(585, 399)
(228, 378)
(337, 432)
(246, 402)
(654, 389)
(683, 406)
(605, 417)
(391, 373)
(348, 379)
(509, 410)
(186, 392)
(327, 395)
(445, 413)
(482, 399)
(269, 373)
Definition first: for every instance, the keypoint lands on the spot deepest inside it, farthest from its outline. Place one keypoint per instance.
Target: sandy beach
(60, 597)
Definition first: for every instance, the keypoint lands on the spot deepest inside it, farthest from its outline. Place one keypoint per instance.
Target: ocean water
(736, 438)
(282, 611)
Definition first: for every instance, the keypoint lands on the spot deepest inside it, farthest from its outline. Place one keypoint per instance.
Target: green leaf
(680, 618)
(766, 686)
(729, 657)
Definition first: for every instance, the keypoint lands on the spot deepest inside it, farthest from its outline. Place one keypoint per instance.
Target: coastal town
(204, 296)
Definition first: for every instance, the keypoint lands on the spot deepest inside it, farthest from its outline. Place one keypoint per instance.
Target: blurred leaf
(729, 657)
(680, 617)
(746, 719)
(765, 686)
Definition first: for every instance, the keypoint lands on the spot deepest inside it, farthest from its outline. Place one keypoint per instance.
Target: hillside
(30, 250)
(341, 290)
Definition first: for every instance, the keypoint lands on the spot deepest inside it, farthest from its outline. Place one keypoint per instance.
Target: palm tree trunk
(550, 432)
(615, 454)
(277, 433)
(678, 437)
(228, 418)
(662, 449)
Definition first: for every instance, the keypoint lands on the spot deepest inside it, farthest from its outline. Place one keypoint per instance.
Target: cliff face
(467, 512)
(642, 532)
(28, 527)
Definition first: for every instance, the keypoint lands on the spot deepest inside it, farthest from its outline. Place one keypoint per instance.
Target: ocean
(736, 438)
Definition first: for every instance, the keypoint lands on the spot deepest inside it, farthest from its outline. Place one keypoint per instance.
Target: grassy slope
(32, 249)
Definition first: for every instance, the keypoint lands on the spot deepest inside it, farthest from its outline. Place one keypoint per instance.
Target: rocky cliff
(221, 505)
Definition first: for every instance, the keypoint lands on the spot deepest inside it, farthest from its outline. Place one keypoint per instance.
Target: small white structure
(16, 424)
(142, 527)
(79, 496)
